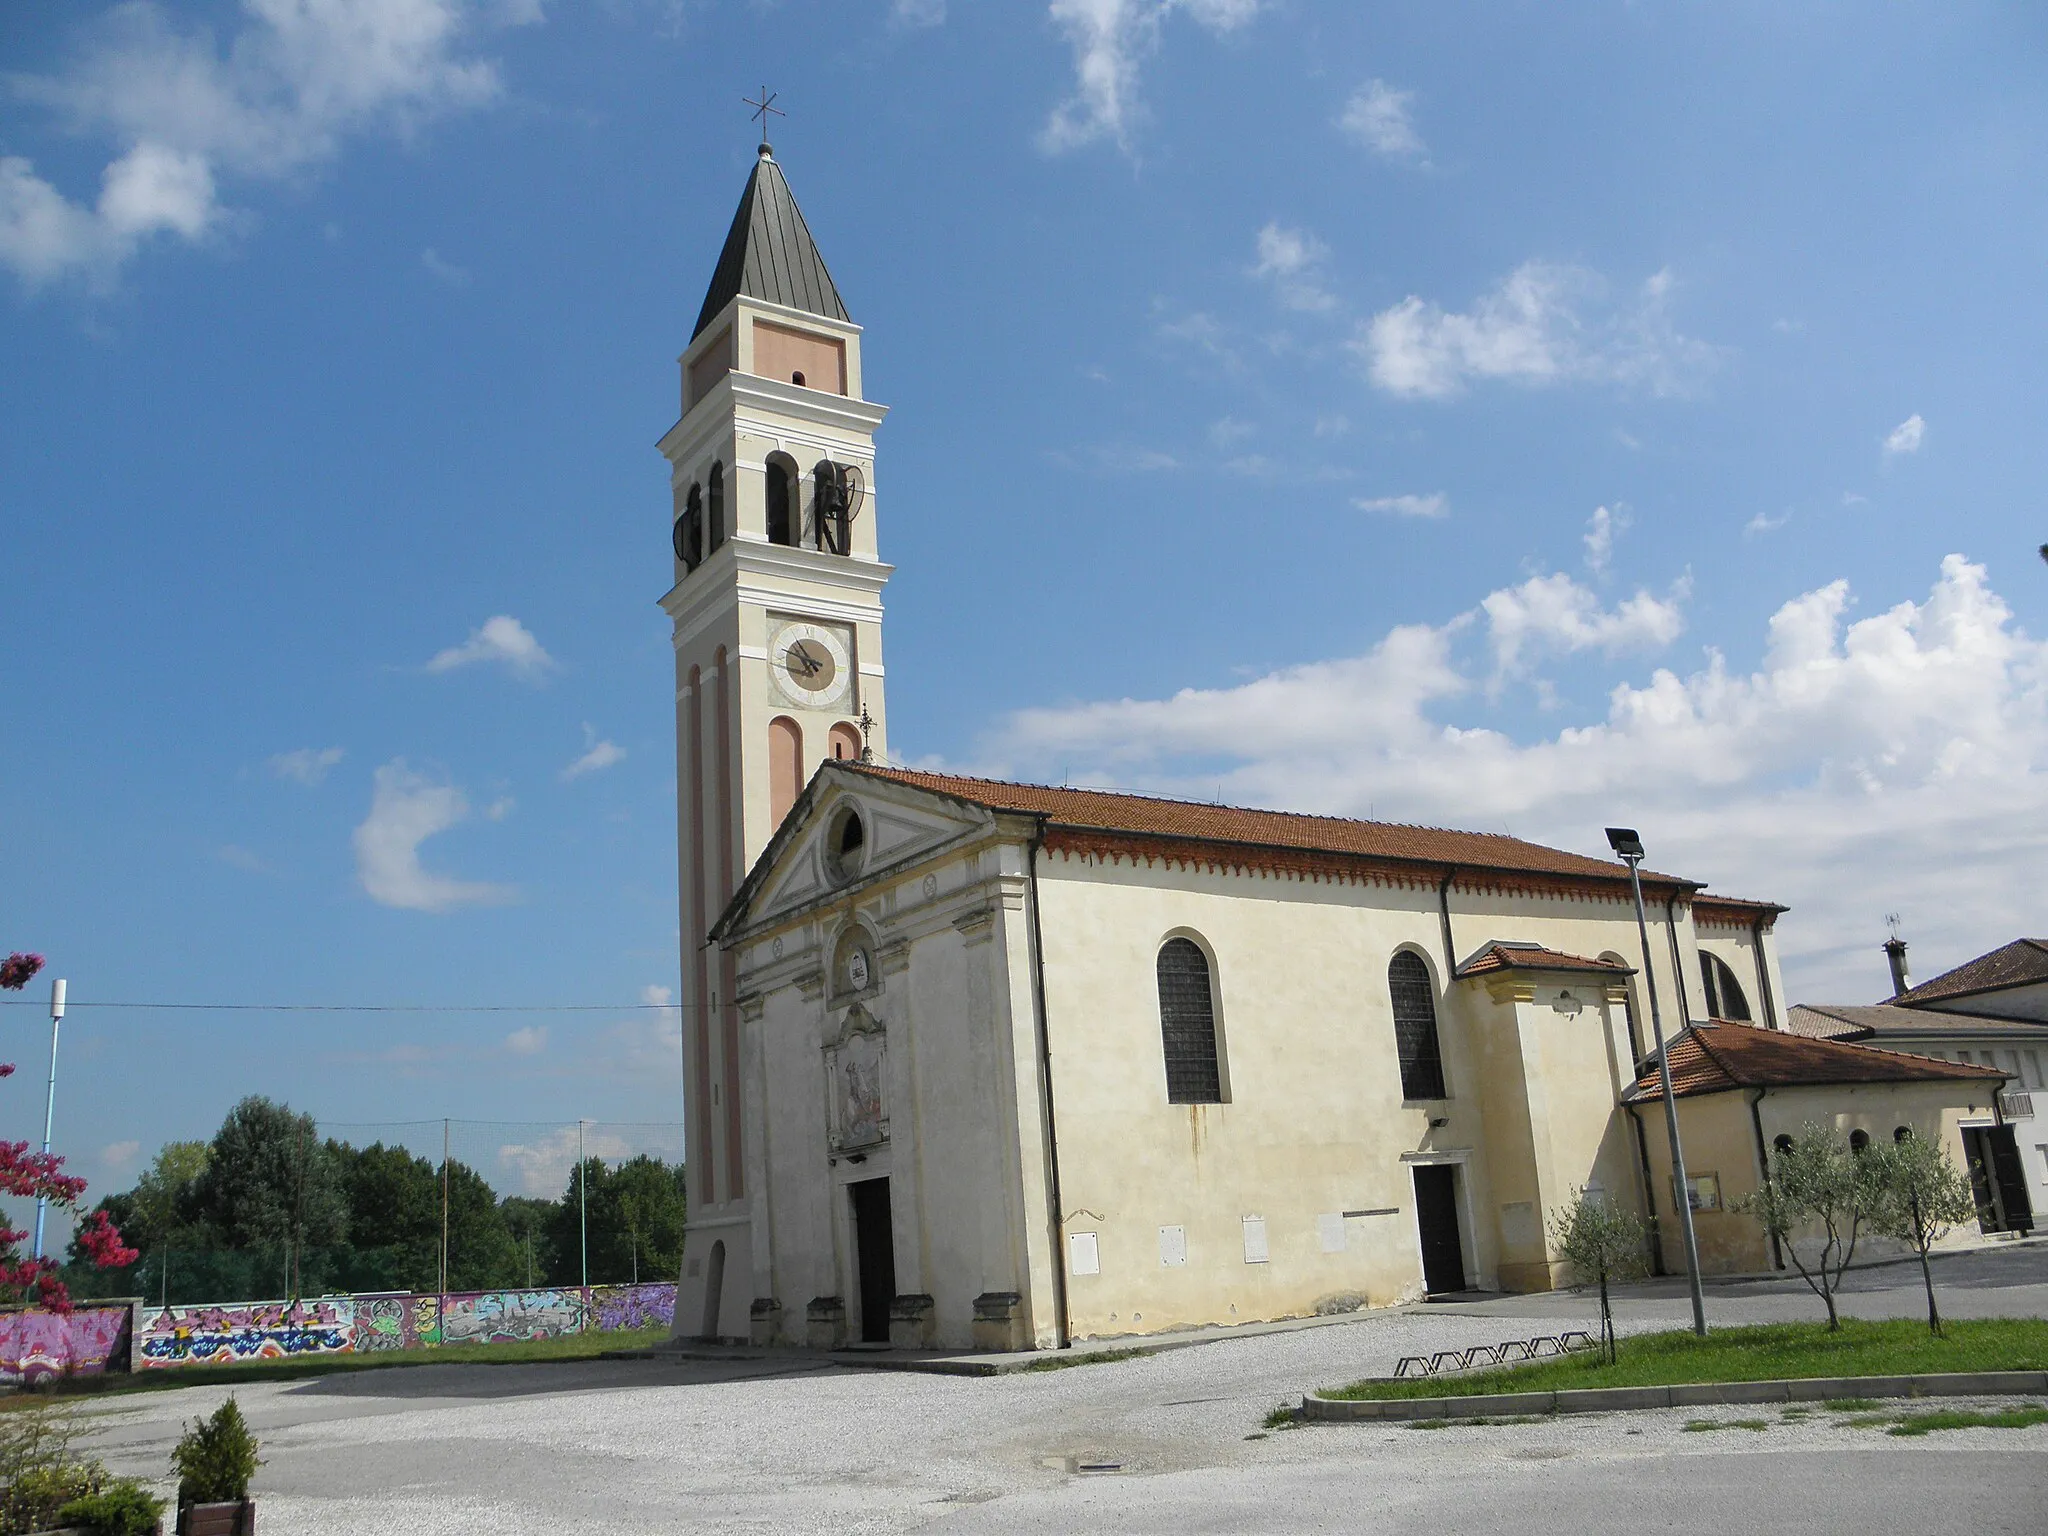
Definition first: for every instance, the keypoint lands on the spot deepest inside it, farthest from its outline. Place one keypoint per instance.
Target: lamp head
(1623, 840)
(57, 998)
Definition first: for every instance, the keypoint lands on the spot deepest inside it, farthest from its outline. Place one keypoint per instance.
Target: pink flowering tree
(40, 1176)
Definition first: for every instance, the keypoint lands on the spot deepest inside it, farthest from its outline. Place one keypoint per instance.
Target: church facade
(971, 1064)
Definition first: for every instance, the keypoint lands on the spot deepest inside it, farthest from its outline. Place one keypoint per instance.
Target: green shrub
(124, 1507)
(215, 1458)
(31, 1501)
(42, 1466)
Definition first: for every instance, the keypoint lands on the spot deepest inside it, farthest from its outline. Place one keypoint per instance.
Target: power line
(26, 1002)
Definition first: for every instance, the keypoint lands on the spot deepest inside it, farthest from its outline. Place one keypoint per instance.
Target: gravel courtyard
(633, 1446)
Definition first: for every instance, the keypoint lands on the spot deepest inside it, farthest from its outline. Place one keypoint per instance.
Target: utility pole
(50, 1105)
(583, 1204)
(444, 1207)
(1625, 842)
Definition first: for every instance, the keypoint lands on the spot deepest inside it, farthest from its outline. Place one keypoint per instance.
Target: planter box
(236, 1519)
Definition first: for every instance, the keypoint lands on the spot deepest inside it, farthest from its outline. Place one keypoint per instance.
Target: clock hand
(803, 658)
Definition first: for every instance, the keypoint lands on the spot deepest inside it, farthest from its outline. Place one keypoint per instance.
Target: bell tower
(777, 612)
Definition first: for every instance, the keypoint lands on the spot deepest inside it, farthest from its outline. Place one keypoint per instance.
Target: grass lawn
(577, 1346)
(1772, 1351)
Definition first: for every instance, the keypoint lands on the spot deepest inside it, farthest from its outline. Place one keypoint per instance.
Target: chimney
(1895, 952)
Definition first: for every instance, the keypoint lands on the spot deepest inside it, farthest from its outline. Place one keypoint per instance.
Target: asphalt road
(644, 1446)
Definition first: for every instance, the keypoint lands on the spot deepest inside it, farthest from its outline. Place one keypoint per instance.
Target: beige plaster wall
(1720, 1137)
(1315, 1125)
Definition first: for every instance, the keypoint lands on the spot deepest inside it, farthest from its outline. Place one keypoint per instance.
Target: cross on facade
(763, 108)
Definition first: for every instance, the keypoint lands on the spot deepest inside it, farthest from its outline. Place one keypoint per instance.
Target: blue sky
(1503, 416)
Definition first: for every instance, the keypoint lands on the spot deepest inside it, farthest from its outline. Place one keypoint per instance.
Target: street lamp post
(1624, 841)
(50, 1104)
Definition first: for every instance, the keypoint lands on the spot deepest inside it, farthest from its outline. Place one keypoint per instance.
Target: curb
(1332, 1410)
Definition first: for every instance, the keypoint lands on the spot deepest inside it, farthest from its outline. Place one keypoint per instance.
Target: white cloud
(1292, 259)
(1377, 116)
(1763, 522)
(305, 765)
(119, 1156)
(1544, 324)
(1435, 504)
(1898, 763)
(544, 1167)
(502, 640)
(530, 1041)
(1227, 431)
(443, 270)
(1109, 39)
(1605, 526)
(292, 81)
(1555, 615)
(406, 809)
(1906, 437)
(917, 13)
(596, 755)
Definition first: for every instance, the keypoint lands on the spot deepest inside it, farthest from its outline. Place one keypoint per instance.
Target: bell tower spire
(776, 606)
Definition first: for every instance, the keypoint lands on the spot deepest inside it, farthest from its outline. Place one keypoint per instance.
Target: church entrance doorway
(1436, 1213)
(714, 1289)
(874, 1245)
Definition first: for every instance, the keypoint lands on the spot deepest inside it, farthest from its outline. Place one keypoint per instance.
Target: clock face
(811, 665)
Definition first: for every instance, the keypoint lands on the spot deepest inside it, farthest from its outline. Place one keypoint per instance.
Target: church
(973, 1064)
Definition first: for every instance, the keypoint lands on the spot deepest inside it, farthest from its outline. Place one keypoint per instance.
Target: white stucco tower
(777, 607)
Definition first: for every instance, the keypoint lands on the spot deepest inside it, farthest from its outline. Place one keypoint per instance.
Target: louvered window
(1422, 1064)
(1187, 1020)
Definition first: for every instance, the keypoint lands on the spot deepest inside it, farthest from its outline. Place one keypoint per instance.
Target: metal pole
(1682, 1191)
(583, 1204)
(50, 1105)
(444, 1207)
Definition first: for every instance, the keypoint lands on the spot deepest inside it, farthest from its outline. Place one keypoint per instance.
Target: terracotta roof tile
(1506, 955)
(1713, 1058)
(1116, 811)
(2013, 965)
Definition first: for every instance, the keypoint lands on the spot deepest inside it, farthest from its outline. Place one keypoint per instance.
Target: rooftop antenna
(762, 109)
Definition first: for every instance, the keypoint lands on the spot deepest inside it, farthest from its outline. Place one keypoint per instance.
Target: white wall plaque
(1083, 1256)
(1330, 1230)
(1173, 1246)
(1255, 1239)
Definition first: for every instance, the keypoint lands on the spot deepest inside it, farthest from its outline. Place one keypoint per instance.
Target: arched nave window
(1414, 999)
(1724, 992)
(1187, 1024)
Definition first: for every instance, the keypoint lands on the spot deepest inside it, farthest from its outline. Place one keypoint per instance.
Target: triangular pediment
(900, 825)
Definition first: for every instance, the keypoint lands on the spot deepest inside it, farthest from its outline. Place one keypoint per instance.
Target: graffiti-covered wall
(167, 1337)
(35, 1344)
(262, 1330)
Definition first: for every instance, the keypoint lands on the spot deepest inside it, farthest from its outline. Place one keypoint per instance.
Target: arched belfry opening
(780, 483)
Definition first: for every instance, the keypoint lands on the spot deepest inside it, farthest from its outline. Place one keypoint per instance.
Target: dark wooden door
(875, 1247)
(1436, 1213)
(1998, 1179)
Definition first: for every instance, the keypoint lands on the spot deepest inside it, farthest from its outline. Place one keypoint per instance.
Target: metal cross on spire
(763, 108)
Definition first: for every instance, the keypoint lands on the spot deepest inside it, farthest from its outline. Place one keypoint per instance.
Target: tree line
(269, 1209)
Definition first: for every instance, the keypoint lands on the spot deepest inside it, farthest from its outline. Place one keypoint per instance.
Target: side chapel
(973, 1064)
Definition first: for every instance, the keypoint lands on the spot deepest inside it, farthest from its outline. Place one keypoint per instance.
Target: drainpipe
(1763, 1162)
(1063, 1330)
(1677, 960)
(1443, 907)
(1649, 1194)
(1763, 979)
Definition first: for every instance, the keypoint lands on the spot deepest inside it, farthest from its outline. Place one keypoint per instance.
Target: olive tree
(1820, 1192)
(1598, 1243)
(1924, 1197)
